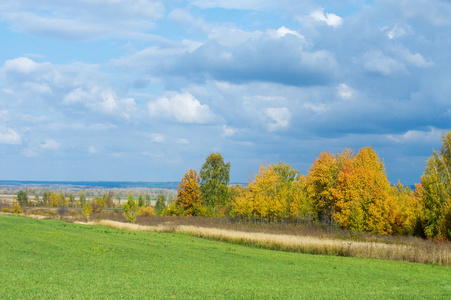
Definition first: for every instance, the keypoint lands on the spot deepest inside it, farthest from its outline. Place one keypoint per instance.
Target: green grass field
(52, 259)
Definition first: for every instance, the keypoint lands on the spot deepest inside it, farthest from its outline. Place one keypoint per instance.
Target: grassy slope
(52, 259)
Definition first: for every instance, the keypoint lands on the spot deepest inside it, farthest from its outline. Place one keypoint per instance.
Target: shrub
(146, 211)
(16, 209)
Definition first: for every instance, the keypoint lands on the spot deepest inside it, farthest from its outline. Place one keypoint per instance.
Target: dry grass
(428, 253)
(325, 240)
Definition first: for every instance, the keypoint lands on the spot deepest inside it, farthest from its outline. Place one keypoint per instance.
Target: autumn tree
(131, 209)
(435, 192)
(189, 195)
(363, 194)
(214, 181)
(269, 196)
(321, 180)
(87, 211)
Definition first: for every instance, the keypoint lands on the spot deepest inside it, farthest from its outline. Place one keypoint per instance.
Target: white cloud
(432, 135)
(283, 31)
(157, 137)
(228, 131)
(379, 63)
(22, 65)
(92, 150)
(396, 32)
(278, 118)
(103, 100)
(183, 107)
(9, 136)
(329, 18)
(315, 107)
(344, 91)
(182, 141)
(50, 144)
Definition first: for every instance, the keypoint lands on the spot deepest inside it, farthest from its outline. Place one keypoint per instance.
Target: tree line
(346, 189)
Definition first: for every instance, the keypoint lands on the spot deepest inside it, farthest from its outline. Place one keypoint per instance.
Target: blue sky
(145, 90)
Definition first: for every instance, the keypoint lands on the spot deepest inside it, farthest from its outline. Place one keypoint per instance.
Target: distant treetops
(346, 189)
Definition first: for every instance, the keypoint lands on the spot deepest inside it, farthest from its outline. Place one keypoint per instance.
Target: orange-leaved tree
(322, 180)
(363, 194)
(189, 196)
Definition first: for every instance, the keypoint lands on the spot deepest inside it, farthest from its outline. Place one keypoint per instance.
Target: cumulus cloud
(103, 100)
(9, 136)
(328, 18)
(183, 107)
(278, 118)
(50, 144)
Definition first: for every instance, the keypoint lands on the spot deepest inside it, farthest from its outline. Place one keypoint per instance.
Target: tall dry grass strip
(426, 253)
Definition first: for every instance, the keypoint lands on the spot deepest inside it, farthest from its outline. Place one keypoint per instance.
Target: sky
(144, 90)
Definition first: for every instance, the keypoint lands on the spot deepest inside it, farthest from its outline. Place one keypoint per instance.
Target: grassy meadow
(53, 259)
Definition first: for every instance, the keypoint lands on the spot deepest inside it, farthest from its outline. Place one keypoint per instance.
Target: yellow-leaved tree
(189, 196)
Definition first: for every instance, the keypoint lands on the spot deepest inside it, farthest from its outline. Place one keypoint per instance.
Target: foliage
(22, 197)
(131, 209)
(214, 181)
(82, 200)
(160, 205)
(270, 196)
(87, 211)
(188, 193)
(146, 211)
(435, 191)
(71, 200)
(141, 201)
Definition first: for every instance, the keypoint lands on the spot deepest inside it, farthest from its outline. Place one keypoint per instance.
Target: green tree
(435, 191)
(46, 198)
(141, 201)
(71, 200)
(22, 197)
(118, 199)
(160, 206)
(148, 201)
(214, 181)
(82, 200)
(36, 200)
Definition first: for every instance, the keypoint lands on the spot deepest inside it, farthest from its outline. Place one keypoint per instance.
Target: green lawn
(52, 259)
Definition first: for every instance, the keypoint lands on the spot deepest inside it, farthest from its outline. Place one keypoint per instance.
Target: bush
(62, 210)
(16, 209)
(146, 211)
(174, 210)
